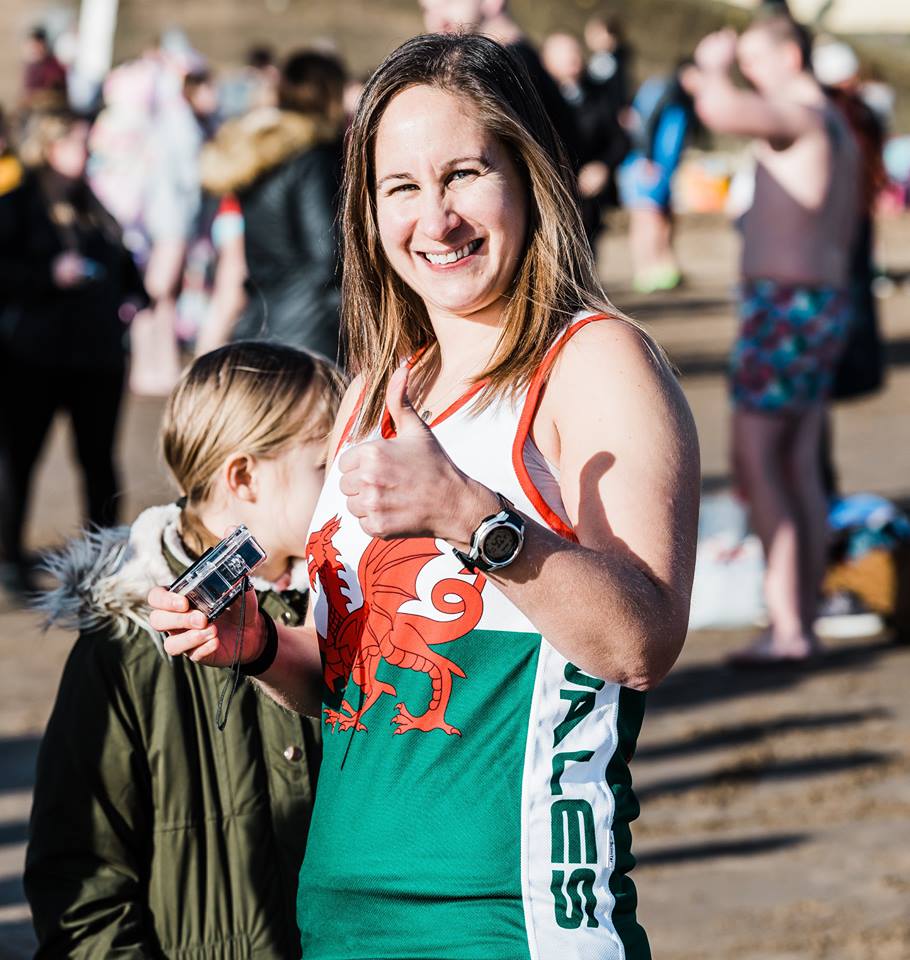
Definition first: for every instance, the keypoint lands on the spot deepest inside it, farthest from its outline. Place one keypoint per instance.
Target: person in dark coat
(610, 63)
(602, 142)
(284, 168)
(67, 284)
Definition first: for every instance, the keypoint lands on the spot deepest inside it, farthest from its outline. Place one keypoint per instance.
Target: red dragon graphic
(359, 640)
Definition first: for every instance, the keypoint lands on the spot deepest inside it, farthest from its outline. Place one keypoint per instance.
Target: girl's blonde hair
(258, 397)
(383, 319)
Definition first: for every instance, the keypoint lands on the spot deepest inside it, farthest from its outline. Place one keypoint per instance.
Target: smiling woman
(496, 582)
(475, 115)
(454, 229)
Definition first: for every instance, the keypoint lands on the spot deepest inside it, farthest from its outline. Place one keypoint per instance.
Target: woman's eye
(403, 187)
(462, 174)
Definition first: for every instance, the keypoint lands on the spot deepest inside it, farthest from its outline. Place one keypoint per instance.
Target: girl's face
(285, 488)
(450, 203)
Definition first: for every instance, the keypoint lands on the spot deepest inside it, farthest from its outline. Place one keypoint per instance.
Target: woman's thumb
(403, 415)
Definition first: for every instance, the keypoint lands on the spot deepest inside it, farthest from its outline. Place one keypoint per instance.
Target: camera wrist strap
(231, 682)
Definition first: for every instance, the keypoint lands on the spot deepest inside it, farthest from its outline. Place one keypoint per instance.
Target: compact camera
(215, 580)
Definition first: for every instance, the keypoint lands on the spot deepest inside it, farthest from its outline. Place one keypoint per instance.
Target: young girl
(152, 833)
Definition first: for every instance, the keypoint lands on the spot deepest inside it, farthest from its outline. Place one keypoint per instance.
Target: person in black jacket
(602, 142)
(284, 168)
(610, 61)
(67, 286)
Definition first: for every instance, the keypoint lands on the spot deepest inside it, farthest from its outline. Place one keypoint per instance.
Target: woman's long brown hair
(383, 319)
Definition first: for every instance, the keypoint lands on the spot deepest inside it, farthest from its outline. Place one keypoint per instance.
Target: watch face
(500, 544)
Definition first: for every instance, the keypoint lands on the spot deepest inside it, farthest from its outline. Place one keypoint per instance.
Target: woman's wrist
(474, 503)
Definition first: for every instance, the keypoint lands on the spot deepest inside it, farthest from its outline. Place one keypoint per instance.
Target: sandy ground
(774, 805)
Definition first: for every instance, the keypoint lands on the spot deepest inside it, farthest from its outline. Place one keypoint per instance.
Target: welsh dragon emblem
(359, 640)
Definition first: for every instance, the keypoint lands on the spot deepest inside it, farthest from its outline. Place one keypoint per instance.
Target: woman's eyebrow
(474, 159)
(448, 165)
(395, 176)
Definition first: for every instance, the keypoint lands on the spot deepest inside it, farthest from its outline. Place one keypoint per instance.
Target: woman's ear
(240, 474)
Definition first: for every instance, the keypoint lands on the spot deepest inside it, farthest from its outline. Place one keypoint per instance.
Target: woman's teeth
(455, 255)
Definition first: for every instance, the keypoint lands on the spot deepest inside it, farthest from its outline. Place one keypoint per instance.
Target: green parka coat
(152, 833)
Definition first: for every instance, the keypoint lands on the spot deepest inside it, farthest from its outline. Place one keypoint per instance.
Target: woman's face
(450, 203)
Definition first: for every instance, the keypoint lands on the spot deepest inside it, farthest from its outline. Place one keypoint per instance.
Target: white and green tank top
(474, 797)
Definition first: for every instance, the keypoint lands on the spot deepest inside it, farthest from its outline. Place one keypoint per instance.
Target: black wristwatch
(496, 542)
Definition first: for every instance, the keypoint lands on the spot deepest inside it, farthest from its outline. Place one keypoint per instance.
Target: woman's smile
(447, 260)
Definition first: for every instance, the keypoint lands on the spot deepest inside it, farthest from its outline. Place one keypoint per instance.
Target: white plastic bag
(729, 568)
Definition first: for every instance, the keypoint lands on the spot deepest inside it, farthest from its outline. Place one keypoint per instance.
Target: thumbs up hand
(406, 419)
(408, 486)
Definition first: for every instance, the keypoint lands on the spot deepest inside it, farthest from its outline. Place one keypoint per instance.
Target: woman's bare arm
(616, 602)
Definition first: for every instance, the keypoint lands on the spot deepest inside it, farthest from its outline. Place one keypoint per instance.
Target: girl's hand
(190, 633)
(408, 486)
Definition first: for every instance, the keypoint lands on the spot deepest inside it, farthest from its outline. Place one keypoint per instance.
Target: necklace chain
(426, 413)
(443, 400)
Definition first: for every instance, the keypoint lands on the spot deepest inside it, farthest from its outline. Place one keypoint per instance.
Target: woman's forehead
(424, 121)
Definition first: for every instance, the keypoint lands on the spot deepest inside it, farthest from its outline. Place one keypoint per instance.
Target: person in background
(173, 207)
(795, 308)
(11, 176)
(602, 142)
(11, 171)
(67, 287)
(228, 298)
(152, 832)
(610, 60)
(43, 75)
(493, 19)
(353, 89)
(861, 368)
(252, 86)
(879, 95)
(660, 121)
(284, 168)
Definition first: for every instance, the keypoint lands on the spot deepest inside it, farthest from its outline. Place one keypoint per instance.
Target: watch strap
(472, 560)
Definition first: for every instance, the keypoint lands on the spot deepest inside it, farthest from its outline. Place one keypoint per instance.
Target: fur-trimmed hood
(253, 145)
(104, 576)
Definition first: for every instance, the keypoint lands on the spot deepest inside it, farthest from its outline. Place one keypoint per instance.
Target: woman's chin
(468, 308)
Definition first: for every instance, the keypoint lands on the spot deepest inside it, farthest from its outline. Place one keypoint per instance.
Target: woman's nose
(437, 217)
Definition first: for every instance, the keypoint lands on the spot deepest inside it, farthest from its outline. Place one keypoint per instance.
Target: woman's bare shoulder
(613, 358)
(346, 410)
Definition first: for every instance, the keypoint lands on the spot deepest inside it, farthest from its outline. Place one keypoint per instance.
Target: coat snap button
(292, 753)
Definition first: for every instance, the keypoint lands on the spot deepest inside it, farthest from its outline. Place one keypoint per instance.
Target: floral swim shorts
(790, 340)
